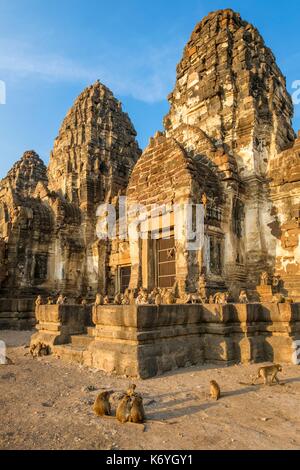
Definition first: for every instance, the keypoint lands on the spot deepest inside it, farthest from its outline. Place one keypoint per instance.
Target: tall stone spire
(228, 84)
(95, 150)
(25, 174)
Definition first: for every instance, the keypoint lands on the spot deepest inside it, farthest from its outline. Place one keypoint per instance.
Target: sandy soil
(47, 404)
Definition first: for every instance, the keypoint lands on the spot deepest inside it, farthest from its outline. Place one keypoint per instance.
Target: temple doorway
(166, 262)
(124, 278)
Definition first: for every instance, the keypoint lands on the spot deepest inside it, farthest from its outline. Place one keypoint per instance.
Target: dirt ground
(47, 404)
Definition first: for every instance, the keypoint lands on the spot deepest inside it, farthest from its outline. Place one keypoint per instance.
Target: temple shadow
(243, 391)
(289, 381)
(178, 413)
(192, 368)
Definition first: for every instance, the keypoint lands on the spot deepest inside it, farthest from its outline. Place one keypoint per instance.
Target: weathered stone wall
(150, 340)
(17, 314)
(284, 172)
(25, 227)
(166, 175)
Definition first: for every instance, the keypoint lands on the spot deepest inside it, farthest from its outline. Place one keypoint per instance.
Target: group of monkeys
(129, 410)
(164, 296)
(156, 297)
(57, 300)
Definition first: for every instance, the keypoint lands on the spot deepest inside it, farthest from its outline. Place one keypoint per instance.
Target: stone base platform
(56, 324)
(144, 341)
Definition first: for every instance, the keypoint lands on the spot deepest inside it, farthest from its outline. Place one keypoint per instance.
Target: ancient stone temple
(228, 144)
(48, 242)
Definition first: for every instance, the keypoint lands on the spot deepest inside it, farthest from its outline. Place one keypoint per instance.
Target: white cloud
(147, 74)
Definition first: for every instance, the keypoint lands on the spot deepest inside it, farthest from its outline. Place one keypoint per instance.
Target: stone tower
(90, 164)
(230, 89)
(95, 150)
(48, 217)
(228, 84)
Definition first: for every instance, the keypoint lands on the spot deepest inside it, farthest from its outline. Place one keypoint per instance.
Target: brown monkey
(266, 371)
(123, 409)
(102, 405)
(32, 349)
(131, 391)
(137, 412)
(39, 349)
(215, 392)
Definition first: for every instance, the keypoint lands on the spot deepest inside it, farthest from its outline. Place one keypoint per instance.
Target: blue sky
(51, 50)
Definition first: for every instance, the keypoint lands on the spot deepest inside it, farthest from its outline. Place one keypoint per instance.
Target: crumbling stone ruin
(228, 143)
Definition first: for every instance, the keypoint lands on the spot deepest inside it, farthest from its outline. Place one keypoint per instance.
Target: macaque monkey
(137, 413)
(38, 301)
(215, 392)
(170, 298)
(124, 409)
(61, 300)
(99, 300)
(266, 371)
(102, 405)
(131, 391)
(243, 298)
(118, 299)
(39, 349)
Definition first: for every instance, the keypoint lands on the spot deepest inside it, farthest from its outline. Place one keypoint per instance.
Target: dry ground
(46, 404)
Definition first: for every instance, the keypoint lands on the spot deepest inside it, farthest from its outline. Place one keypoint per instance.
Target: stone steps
(71, 354)
(91, 331)
(77, 350)
(81, 341)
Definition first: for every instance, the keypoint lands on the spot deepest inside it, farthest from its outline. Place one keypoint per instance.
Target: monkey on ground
(39, 349)
(215, 392)
(102, 405)
(137, 412)
(124, 409)
(266, 371)
(131, 391)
